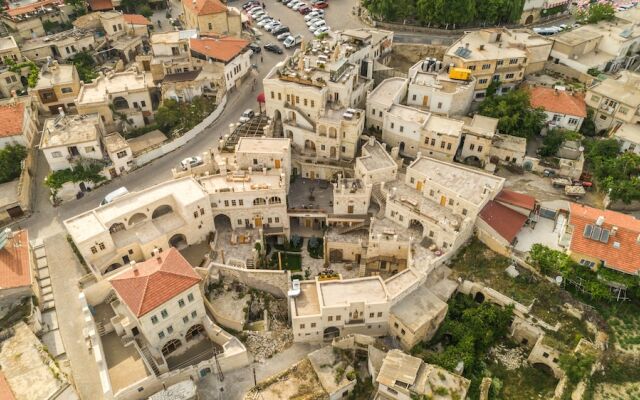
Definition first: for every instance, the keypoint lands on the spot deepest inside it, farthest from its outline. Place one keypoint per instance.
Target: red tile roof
(626, 258)
(15, 268)
(205, 7)
(136, 19)
(222, 48)
(560, 102)
(5, 389)
(155, 281)
(32, 7)
(11, 119)
(516, 199)
(100, 5)
(503, 220)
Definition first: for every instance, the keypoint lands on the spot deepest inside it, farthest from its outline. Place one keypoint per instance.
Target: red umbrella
(261, 98)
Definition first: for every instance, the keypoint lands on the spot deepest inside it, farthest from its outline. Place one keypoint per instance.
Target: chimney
(466, 45)
(134, 268)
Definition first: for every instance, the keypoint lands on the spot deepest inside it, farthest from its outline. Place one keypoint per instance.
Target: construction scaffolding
(252, 128)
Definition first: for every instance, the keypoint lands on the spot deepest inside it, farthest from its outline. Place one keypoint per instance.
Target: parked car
(317, 25)
(283, 36)
(119, 192)
(291, 4)
(265, 21)
(191, 162)
(275, 26)
(254, 10)
(249, 5)
(321, 4)
(297, 6)
(273, 48)
(321, 30)
(247, 114)
(292, 41)
(304, 10)
(256, 49)
(314, 20)
(280, 30)
(261, 17)
(313, 14)
(270, 25)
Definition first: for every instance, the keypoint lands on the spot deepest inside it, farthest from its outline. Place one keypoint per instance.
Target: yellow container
(462, 74)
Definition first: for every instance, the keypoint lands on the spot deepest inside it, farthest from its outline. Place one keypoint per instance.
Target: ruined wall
(274, 282)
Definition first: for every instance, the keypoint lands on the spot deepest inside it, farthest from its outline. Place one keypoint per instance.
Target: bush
(85, 65)
(296, 242)
(173, 117)
(514, 113)
(576, 366)
(11, 158)
(315, 247)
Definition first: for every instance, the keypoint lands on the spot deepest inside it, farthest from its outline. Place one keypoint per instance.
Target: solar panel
(604, 238)
(462, 52)
(587, 230)
(595, 235)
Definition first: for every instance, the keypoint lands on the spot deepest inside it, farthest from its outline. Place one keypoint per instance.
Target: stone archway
(331, 332)
(117, 227)
(277, 124)
(112, 267)
(161, 210)
(309, 147)
(416, 228)
(194, 332)
(275, 200)
(120, 103)
(137, 218)
(171, 346)
(544, 368)
(179, 241)
(473, 160)
(222, 222)
(529, 20)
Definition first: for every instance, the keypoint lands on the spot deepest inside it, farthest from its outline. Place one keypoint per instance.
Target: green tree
(145, 11)
(597, 12)
(85, 65)
(554, 139)
(576, 366)
(168, 115)
(79, 6)
(588, 127)
(514, 112)
(11, 162)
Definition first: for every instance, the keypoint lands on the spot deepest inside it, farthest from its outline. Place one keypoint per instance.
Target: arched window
(259, 201)
(275, 200)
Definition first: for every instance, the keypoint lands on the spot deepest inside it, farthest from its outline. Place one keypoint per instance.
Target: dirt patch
(630, 390)
(403, 56)
(298, 382)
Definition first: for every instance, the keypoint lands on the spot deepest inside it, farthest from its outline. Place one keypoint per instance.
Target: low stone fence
(158, 152)
(271, 281)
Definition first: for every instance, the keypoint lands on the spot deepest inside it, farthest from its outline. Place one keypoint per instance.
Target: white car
(298, 6)
(312, 15)
(256, 14)
(283, 36)
(321, 30)
(264, 22)
(247, 115)
(255, 11)
(261, 17)
(317, 25)
(293, 3)
(272, 24)
(313, 21)
(191, 162)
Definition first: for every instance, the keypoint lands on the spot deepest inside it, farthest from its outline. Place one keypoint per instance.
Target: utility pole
(255, 382)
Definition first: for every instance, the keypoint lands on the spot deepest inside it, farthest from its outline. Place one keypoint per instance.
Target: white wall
(237, 68)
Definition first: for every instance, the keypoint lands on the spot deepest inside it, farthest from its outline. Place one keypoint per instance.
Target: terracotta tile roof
(15, 268)
(623, 256)
(516, 199)
(560, 102)
(205, 7)
(5, 389)
(11, 119)
(100, 5)
(223, 48)
(136, 19)
(154, 281)
(503, 220)
(32, 7)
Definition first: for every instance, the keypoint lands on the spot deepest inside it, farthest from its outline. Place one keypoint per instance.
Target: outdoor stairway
(147, 355)
(100, 329)
(249, 263)
(380, 198)
(110, 297)
(361, 225)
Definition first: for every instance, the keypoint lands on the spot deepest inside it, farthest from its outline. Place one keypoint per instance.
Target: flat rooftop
(326, 363)
(241, 182)
(375, 157)
(445, 126)
(56, 74)
(300, 190)
(262, 145)
(628, 132)
(173, 36)
(467, 182)
(418, 308)
(625, 88)
(9, 194)
(388, 228)
(401, 281)
(60, 39)
(70, 129)
(124, 363)
(343, 292)
(510, 142)
(387, 91)
(112, 84)
(575, 36)
(410, 114)
(115, 142)
(307, 301)
(7, 43)
(88, 224)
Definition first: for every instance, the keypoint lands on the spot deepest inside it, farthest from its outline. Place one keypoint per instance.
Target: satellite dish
(558, 280)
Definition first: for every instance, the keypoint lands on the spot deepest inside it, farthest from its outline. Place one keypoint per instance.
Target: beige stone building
(507, 149)
(175, 213)
(26, 21)
(18, 121)
(58, 86)
(121, 98)
(615, 101)
(171, 53)
(212, 16)
(264, 152)
(9, 50)
(499, 54)
(60, 46)
(375, 165)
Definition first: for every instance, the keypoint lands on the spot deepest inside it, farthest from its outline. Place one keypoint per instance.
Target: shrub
(11, 158)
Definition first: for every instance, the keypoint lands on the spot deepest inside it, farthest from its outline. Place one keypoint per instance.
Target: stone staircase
(110, 297)
(152, 363)
(361, 225)
(380, 198)
(249, 263)
(100, 328)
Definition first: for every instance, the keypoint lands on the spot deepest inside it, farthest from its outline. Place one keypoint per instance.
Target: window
(89, 149)
(121, 154)
(312, 103)
(442, 144)
(513, 61)
(164, 313)
(371, 315)
(313, 324)
(439, 105)
(412, 180)
(277, 219)
(154, 319)
(464, 211)
(56, 154)
(379, 314)
(193, 314)
(496, 77)
(402, 331)
(431, 193)
(273, 95)
(508, 76)
(305, 102)
(414, 97)
(472, 146)
(472, 67)
(479, 148)
(181, 303)
(573, 121)
(101, 246)
(500, 62)
(395, 325)
(185, 319)
(482, 81)
(430, 233)
(233, 203)
(450, 202)
(433, 142)
(8, 79)
(486, 66)
(161, 335)
(135, 104)
(190, 297)
(301, 326)
(94, 250)
(392, 125)
(241, 202)
(169, 329)
(210, 26)
(143, 103)
(330, 318)
(66, 90)
(401, 128)
(338, 317)
(448, 146)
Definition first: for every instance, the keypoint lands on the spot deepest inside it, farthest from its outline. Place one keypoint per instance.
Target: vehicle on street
(297, 6)
(304, 10)
(317, 25)
(191, 162)
(256, 49)
(313, 14)
(292, 41)
(270, 28)
(247, 115)
(119, 192)
(321, 4)
(314, 20)
(261, 17)
(265, 21)
(291, 4)
(273, 48)
(321, 30)
(280, 30)
(283, 36)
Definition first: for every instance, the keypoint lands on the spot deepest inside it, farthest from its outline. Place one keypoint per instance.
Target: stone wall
(271, 281)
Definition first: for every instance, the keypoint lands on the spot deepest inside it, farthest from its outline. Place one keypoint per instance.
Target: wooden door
(277, 162)
(425, 101)
(443, 201)
(419, 186)
(258, 222)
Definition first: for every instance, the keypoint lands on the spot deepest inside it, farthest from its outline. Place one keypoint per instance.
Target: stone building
(615, 100)
(27, 21)
(18, 121)
(58, 86)
(212, 16)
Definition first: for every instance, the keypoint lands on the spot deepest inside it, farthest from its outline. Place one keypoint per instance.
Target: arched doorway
(171, 346)
(24, 81)
(416, 228)
(309, 147)
(277, 124)
(120, 103)
(160, 211)
(222, 222)
(479, 297)
(331, 332)
(112, 267)
(544, 368)
(333, 152)
(529, 20)
(117, 227)
(136, 218)
(473, 160)
(179, 241)
(335, 255)
(259, 201)
(275, 200)
(401, 147)
(193, 332)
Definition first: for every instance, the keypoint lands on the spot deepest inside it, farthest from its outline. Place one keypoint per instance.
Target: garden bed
(290, 261)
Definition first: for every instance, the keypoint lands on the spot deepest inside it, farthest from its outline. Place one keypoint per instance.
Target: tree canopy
(79, 6)
(597, 12)
(85, 64)
(614, 173)
(448, 12)
(514, 112)
(11, 162)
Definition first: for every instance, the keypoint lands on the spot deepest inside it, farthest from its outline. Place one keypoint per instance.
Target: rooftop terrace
(343, 292)
(65, 130)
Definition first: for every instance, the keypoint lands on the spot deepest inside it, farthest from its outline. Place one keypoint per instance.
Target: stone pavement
(65, 272)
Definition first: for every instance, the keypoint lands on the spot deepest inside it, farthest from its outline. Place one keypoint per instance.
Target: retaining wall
(274, 282)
